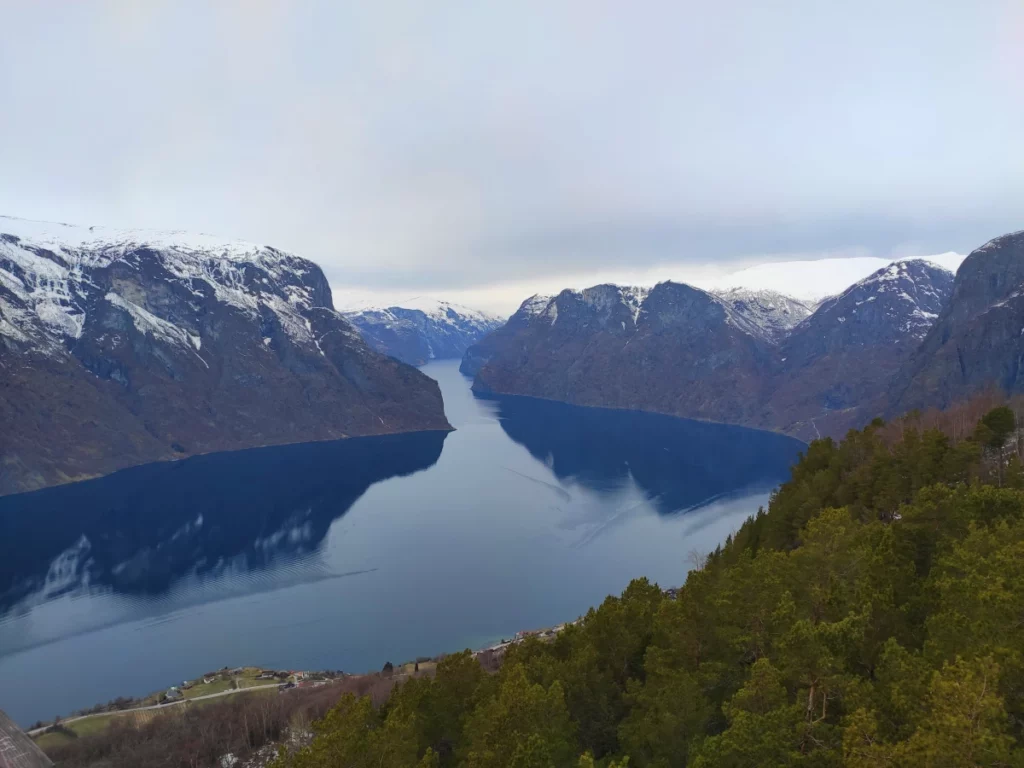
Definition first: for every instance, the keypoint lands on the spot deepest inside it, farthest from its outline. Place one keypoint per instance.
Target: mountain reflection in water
(140, 530)
(346, 554)
(679, 463)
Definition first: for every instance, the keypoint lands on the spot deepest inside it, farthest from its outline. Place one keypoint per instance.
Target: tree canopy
(872, 616)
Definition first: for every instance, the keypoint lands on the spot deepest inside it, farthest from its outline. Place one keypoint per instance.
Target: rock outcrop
(977, 342)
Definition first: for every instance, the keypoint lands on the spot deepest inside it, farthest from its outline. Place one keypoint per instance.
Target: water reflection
(680, 464)
(141, 530)
(344, 555)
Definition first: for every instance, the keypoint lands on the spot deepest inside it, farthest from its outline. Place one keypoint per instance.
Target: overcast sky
(478, 150)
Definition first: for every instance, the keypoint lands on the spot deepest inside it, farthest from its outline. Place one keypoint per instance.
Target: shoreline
(284, 679)
(289, 679)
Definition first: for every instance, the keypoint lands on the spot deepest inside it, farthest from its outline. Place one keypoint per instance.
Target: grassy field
(85, 727)
(218, 685)
(246, 679)
(100, 722)
(212, 702)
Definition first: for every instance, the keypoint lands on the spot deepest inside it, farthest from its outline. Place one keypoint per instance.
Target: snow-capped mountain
(45, 270)
(422, 329)
(813, 280)
(773, 312)
(672, 348)
(119, 347)
(476, 355)
(898, 302)
(838, 363)
(753, 357)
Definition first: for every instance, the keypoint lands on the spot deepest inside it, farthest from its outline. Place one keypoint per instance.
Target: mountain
(775, 313)
(490, 344)
(124, 347)
(756, 358)
(813, 280)
(836, 365)
(672, 349)
(422, 329)
(977, 342)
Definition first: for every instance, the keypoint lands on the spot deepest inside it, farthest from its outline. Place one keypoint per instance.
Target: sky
(482, 152)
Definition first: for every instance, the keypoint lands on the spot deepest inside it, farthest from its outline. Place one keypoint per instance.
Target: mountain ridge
(422, 329)
(752, 357)
(120, 347)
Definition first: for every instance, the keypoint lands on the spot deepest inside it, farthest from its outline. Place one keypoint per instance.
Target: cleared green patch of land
(216, 685)
(78, 729)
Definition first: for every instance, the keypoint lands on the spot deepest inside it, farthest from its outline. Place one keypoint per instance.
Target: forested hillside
(872, 616)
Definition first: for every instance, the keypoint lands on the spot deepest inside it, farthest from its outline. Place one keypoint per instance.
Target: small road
(157, 706)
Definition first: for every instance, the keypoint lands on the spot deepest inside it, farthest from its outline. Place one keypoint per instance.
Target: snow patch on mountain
(422, 328)
(773, 313)
(535, 305)
(998, 242)
(45, 268)
(433, 309)
(148, 323)
(908, 294)
(814, 280)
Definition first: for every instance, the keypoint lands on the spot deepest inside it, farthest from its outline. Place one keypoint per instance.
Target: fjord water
(347, 554)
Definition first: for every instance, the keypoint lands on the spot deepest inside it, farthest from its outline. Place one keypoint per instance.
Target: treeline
(872, 616)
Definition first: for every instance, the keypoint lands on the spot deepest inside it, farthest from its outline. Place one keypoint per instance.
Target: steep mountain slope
(422, 329)
(672, 349)
(123, 347)
(755, 358)
(978, 340)
(478, 354)
(774, 312)
(837, 364)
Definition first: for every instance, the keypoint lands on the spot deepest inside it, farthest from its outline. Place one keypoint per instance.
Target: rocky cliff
(490, 344)
(977, 342)
(123, 347)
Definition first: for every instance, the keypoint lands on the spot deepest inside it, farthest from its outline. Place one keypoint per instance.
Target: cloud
(457, 146)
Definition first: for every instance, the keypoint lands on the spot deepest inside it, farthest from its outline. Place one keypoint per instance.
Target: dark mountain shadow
(679, 463)
(141, 529)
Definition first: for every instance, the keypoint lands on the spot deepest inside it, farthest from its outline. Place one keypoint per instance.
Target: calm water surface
(348, 554)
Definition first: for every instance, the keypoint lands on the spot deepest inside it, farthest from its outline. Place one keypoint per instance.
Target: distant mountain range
(123, 347)
(757, 358)
(813, 280)
(422, 329)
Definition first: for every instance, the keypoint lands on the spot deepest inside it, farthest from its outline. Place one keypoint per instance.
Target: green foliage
(996, 426)
(872, 616)
(353, 734)
(523, 726)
